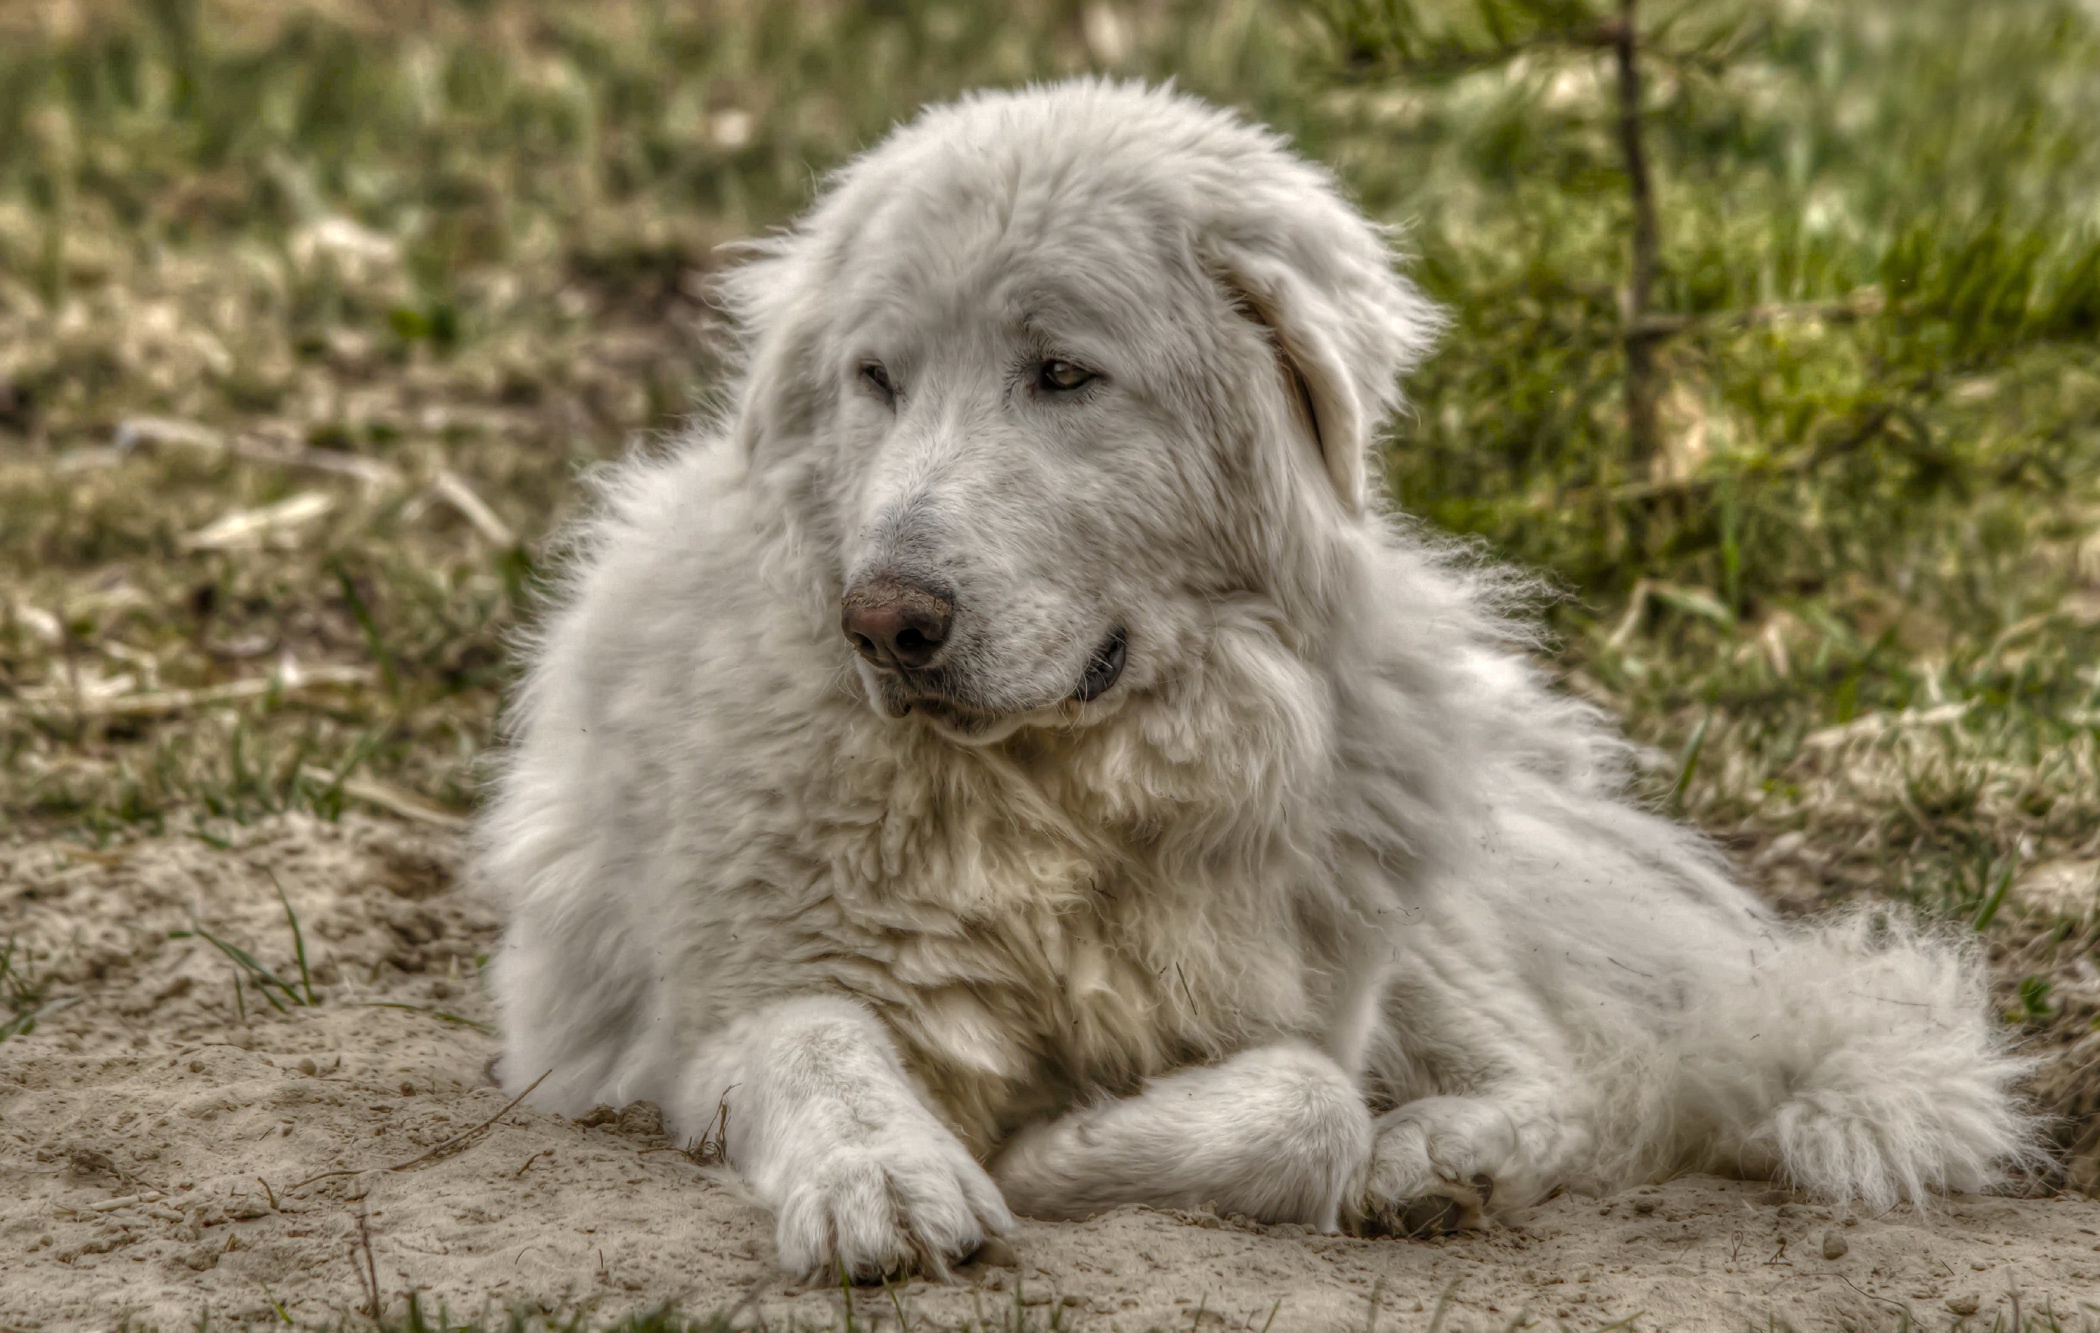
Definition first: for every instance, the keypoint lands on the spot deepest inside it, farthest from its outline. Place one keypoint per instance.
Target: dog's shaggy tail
(1896, 1082)
(1887, 1078)
(1853, 1058)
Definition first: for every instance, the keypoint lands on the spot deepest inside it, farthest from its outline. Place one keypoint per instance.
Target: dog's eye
(1062, 377)
(877, 377)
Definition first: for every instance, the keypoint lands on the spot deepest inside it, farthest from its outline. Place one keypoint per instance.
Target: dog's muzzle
(904, 629)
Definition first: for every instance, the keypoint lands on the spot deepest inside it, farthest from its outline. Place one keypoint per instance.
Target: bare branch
(1642, 388)
(1453, 59)
(1864, 304)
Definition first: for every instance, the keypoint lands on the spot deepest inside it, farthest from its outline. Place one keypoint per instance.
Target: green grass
(658, 1322)
(396, 273)
(22, 994)
(259, 980)
(1007, 1314)
(1018, 1318)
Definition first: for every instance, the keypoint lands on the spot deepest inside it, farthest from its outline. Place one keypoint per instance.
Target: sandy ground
(159, 1155)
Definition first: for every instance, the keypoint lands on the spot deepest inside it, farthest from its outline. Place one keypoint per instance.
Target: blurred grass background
(311, 311)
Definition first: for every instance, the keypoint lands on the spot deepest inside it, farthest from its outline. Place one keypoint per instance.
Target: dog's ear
(1344, 322)
(769, 299)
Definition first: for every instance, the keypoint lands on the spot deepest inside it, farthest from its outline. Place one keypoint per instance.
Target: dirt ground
(169, 1148)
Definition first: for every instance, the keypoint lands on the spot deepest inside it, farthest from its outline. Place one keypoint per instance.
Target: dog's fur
(1328, 910)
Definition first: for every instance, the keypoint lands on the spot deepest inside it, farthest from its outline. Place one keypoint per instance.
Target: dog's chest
(1024, 970)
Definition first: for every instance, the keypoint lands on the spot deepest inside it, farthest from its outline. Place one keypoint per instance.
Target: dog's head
(1047, 375)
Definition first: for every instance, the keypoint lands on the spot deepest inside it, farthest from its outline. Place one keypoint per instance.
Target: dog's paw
(1442, 1209)
(1426, 1175)
(911, 1204)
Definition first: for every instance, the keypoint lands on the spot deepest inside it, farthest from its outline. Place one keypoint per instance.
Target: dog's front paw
(1421, 1182)
(909, 1204)
(1441, 1209)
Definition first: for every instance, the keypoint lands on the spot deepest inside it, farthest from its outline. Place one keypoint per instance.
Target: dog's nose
(896, 624)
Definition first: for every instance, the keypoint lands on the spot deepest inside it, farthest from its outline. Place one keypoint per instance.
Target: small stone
(196, 1066)
(307, 1065)
(996, 1253)
(1963, 1305)
(408, 1089)
(1834, 1246)
(600, 1114)
(1644, 1206)
(201, 1258)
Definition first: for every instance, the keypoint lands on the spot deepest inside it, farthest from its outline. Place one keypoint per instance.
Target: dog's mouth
(930, 694)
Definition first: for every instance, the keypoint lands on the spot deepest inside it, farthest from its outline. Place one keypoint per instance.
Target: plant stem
(1641, 386)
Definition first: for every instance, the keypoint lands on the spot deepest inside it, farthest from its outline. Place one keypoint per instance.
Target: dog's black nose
(896, 624)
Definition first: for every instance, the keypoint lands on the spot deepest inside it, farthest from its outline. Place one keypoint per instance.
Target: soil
(171, 1147)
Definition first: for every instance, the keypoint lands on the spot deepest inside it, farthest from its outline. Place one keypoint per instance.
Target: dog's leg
(1276, 1134)
(818, 1116)
(1440, 1161)
(1507, 1109)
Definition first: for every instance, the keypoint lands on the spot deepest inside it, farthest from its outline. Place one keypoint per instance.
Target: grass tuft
(23, 996)
(274, 989)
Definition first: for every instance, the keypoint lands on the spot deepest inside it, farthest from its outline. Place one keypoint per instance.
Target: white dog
(1168, 824)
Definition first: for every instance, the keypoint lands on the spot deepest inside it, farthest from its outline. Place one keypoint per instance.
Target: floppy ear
(768, 299)
(1345, 324)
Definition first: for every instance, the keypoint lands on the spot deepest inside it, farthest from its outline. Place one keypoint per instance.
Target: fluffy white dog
(1168, 824)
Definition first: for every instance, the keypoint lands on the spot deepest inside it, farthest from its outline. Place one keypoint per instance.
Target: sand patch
(163, 1144)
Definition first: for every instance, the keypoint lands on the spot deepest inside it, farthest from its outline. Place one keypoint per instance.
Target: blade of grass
(329, 801)
(262, 977)
(306, 979)
(476, 1024)
(1994, 894)
(21, 1025)
(370, 627)
(1689, 765)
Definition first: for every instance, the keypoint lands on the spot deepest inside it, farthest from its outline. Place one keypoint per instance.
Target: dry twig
(449, 1145)
(393, 800)
(453, 490)
(155, 703)
(167, 431)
